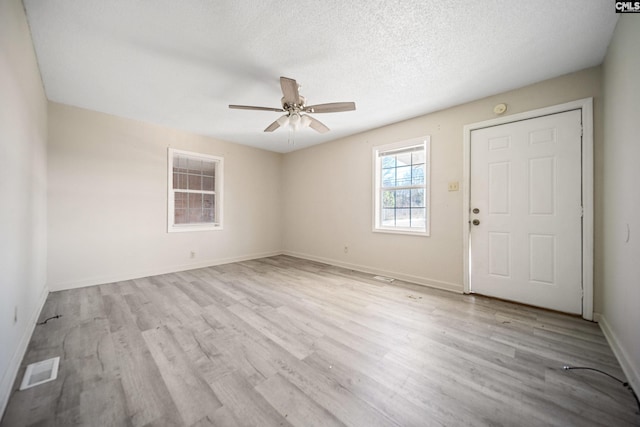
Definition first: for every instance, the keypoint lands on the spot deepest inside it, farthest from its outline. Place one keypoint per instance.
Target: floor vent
(40, 372)
(384, 279)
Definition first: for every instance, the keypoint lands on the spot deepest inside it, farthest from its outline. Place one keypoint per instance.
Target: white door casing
(530, 177)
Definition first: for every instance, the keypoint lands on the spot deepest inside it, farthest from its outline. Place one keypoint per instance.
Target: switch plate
(454, 186)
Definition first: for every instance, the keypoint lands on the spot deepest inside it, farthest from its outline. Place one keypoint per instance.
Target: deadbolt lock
(476, 210)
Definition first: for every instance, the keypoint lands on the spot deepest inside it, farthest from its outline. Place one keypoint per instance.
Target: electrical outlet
(193, 254)
(346, 249)
(454, 186)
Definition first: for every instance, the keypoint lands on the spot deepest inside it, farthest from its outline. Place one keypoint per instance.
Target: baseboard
(100, 280)
(418, 280)
(14, 365)
(630, 371)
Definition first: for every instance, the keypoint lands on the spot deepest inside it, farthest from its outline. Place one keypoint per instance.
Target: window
(195, 191)
(401, 187)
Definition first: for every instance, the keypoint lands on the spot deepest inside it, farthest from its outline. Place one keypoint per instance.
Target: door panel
(500, 254)
(526, 184)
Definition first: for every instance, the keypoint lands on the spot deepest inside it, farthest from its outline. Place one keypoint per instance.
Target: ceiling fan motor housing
(290, 108)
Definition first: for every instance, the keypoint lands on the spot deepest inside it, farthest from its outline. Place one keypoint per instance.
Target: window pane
(403, 217)
(195, 166)
(388, 217)
(181, 183)
(208, 183)
(208, 168)
(403, 159)
(418, 217)
(207, 215)
(180, 200)
(389, 199)
(180, 216)
(208, 201)
(179, 163)
(417, 197)
(388, 177)
(194, 208)
(403, 198)
(417, 175)
(195, 216)
(388, 161)
(417, 157)
(403, 175)
(195, 182)
(195, 201)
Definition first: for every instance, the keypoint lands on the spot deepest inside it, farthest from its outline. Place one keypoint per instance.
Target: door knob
(476, 222)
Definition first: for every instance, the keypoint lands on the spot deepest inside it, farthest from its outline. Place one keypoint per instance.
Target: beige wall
(328, 189)
(107, 201)
(23, 132)
(620, 254)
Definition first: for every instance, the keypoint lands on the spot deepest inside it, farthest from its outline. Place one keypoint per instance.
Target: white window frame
(425, 141)
(218, 191)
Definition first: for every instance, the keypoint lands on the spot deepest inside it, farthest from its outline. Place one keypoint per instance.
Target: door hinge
(581, 211)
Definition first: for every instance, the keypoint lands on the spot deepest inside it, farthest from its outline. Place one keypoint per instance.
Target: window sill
(401, 231)
(193, 227)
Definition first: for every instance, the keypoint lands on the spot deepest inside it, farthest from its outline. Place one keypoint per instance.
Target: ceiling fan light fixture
(305, 121)
(295, 121)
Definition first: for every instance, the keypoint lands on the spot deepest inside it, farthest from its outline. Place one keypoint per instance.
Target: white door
(526, 211)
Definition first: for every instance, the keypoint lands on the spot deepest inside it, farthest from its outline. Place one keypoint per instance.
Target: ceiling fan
(293, 104)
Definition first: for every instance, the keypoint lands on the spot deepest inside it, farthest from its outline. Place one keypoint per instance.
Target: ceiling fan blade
(332, 107)
(273, 126)
(290, 90)
(281, 121)
(250, 107)
(317, 125)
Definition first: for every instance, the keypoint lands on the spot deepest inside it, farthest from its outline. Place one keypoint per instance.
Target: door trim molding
(586, 107)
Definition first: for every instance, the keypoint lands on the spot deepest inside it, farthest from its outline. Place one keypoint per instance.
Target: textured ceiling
(180, 63)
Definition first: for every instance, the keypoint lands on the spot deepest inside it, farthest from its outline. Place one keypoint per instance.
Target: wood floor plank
(147, 397)
(241, 345)
(386, 399)
(223, 287)
(142, 311)
(100, 403)
(328, 393)
(199, 346)
(189, 391)
(282, 341)
(237, 394)
(595, 402)
(284, 335)
(298, 408)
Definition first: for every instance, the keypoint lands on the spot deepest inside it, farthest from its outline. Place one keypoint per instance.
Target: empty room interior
(386, 213)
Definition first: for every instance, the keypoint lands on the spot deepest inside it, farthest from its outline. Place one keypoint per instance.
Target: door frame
(586, 107)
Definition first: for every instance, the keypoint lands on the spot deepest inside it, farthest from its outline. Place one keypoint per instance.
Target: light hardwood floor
(282, 341)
